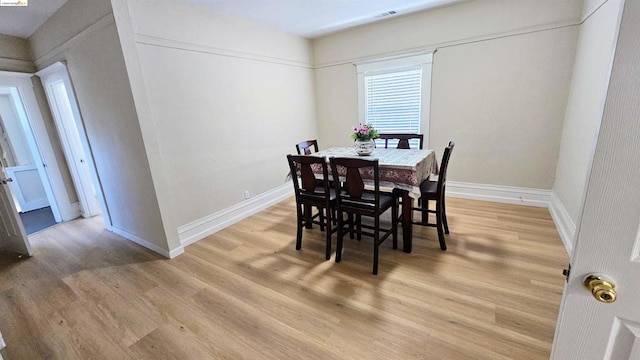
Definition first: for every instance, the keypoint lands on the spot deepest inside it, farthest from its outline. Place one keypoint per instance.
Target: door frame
(40, 144)
(74, 141)
(11, 172)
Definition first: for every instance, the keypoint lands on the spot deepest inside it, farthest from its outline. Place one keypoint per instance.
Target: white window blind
(392, 94)
(392, 101)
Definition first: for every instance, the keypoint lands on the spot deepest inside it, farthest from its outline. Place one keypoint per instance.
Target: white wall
(594, 55)
(83, 34)
(501, 76)
(221, 102)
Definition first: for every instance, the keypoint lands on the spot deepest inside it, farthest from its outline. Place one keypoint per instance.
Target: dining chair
(309, 195)
(403, 140)
(435, 191)
(355, 201)
(304, 147)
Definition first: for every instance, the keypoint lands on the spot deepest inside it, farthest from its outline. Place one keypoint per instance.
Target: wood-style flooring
(246, 293)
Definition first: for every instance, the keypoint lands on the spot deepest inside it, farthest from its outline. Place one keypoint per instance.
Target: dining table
(401, 169)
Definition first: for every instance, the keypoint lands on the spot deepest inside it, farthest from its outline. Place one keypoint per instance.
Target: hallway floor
(37, 220)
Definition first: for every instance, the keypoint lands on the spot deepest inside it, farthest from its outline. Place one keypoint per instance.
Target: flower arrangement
(364, 132)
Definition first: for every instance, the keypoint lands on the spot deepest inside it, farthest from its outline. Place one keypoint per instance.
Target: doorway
(20, 158)
(56, 173)
(68, 122)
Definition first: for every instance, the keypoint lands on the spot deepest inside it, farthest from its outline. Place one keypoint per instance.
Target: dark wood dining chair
(305, 147)
(309, 196)
(354, 201)
(403, 140)
(435, 191)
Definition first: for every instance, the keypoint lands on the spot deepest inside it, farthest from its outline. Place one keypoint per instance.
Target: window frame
(397, 64)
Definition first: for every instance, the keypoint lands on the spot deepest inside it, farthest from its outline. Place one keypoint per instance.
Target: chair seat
(429, 188)
(386, 200)
(319, 195)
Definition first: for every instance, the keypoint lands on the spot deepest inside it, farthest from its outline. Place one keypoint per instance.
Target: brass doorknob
(603, 290)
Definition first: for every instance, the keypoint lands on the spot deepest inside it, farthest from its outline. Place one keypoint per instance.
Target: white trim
(206, 49)
(149, 245)
(13, 79)
(43, 60)
(74, 141)
(58, 66)
(17, 65)
(430, 47)
(565, 225)
(394, 62)
(199, 229)
(51, 176)
(498, 193)
(422, 61)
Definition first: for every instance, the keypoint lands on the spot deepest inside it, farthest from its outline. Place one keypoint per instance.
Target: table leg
(407, 221)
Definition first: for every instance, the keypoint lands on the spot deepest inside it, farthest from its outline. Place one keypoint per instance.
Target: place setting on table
(363, 170)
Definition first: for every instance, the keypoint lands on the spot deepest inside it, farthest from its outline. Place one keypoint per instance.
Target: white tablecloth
(399, 168)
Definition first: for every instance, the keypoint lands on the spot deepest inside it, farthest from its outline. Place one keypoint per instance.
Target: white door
(66, 115)
(608, 234)
(18, 153)
(12, 235)
(27, 187)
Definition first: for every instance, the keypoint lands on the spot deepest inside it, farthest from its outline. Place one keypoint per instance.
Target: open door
(12, 235)
(603, 322)
(61, 197)
(66, 114)
(20, 155)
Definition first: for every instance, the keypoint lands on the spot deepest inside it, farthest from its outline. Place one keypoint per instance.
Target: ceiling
(22, 21)
(307, 18)
(314, 18)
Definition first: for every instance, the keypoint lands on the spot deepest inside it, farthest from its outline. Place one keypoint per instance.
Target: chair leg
(425, 210)
(394, 226)
(444, 216)
(351, 224)
(359, 227)
(328, 234)
(308, 212)
(299, 230)
(443, 244)
(340, 237)
(376, 245)
(321, 217)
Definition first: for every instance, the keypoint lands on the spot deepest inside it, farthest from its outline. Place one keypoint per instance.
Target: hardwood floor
(245, 292)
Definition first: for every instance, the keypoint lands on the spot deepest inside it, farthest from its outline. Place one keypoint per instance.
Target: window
(394, 95)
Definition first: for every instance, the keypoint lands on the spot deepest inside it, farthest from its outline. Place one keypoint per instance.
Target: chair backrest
(304, 147)
(350, 189)
(444, 164)
(302, 173)
(403, 140)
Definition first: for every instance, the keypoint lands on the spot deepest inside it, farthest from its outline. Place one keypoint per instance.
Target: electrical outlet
(247, 194)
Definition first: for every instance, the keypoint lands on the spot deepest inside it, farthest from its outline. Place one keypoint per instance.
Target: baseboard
(497, 193)
(565, 225)
(199, 229)
(149, 245)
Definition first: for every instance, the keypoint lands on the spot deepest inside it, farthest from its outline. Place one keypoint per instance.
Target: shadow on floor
(37, 220)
